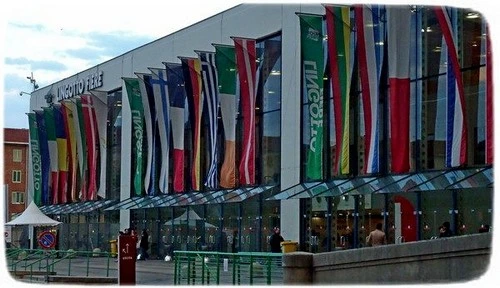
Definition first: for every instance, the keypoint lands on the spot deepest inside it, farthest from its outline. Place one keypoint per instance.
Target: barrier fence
(217, 268)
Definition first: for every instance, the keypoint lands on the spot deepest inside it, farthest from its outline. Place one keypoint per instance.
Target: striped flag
(92, 140)
(36, 159)
(192, 75)
(226, 72)
(100, 100)
(150, 123)
(68, 107)
(133, 91)
(211, 95)
(339, 34)
(50, 125)
(370, 63)
(246, 67)
(45, 158)
(489, 99)
(177, 95)
(456, 128)
(398, 39)
(81, 145)
(312, 63)
(162, 105)
(62, 153)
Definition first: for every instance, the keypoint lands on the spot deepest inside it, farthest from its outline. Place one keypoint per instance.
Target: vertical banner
(211, 94)
(50, 126)
(92, 141)
(398, 40)
(36, 159)
(177, 94)
(68, 107)
(100, 99)
(45, 158)
(135, 100)
(367, 25)
(192, 75)
(225, 61)
(339, 35)
(158, 82)
(150, 123)
(81, 145)
(62, 153)
(312, 59)
(247, 68)
(456, 126)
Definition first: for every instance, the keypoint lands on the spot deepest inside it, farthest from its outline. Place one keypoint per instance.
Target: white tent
(193, 217)
(32, 217)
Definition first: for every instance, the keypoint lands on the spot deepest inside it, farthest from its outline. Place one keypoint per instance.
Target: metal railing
(66, 263)
(218, 268)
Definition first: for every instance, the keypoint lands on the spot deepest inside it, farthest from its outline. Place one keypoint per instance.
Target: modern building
(321, 120)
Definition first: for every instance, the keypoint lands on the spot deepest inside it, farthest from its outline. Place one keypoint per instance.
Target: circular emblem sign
(47, 239)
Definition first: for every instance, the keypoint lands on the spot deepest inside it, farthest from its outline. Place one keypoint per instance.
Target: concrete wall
(434, 261)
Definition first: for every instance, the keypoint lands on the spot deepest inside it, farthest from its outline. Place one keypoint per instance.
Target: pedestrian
(275, 241)
(376, 237)
(144, 246)
(445, 230)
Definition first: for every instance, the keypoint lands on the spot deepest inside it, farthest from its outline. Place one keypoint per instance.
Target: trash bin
(288, 246)
(113, 246)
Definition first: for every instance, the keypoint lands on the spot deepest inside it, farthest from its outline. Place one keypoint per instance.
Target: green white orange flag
(225, 61)
(312, 59)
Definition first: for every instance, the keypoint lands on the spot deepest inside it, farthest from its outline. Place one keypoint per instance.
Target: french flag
(456, 128)
(398, 38)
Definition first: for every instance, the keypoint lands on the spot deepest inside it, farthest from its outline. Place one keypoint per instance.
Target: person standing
(445, 230)
(275, 241)
(144, 245)
(376, 237)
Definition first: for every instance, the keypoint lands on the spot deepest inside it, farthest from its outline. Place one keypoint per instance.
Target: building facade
(15, 170)
(322, 120)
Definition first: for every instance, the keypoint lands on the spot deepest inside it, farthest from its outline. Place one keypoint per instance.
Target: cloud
(36, 65)
(106, 45)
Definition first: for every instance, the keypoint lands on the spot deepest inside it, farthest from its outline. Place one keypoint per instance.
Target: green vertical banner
(135, 100)
(312, 61)
(36, 160)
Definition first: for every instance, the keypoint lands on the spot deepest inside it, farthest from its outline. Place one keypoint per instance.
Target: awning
(78, 207)
(410, 182)
(244, 194)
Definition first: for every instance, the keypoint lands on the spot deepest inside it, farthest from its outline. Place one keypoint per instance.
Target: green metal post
(234, 269)
(176, 260)
(202, 270)
(268, 265)
(218, 270)
(189, 269)
(251, 270)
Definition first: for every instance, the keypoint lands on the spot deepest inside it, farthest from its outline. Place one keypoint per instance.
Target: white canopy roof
(193, 217)
(33, 216)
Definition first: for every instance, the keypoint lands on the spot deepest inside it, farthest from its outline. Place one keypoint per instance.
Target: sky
(57, 39)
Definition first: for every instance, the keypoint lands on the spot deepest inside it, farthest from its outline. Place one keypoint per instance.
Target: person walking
(376, 237)
(144, 245)
(275, 241)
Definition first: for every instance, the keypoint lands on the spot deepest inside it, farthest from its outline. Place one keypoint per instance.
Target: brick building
(16, 145)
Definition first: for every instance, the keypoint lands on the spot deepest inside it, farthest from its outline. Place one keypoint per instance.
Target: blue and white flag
(211, 92)
(162, 103)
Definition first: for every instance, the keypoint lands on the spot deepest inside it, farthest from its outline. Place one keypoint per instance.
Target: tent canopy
(193, 217)
(33, 216)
